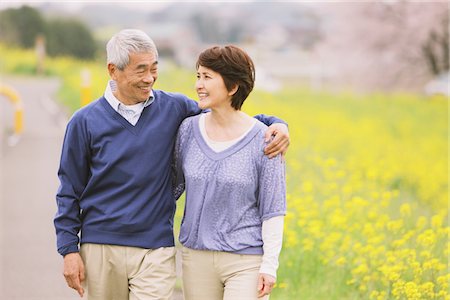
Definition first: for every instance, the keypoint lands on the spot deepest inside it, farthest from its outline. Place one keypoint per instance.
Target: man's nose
(148, 78)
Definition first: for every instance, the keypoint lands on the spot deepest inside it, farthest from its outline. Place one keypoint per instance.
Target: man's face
(135, 81)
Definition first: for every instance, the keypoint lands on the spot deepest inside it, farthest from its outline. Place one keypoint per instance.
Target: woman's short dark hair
(235, 67)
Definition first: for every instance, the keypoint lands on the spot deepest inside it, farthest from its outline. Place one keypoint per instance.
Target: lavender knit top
(229, 193)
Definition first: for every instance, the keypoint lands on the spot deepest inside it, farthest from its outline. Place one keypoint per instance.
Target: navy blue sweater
(115, 183)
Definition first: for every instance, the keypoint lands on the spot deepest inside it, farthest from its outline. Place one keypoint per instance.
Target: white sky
(75, 5)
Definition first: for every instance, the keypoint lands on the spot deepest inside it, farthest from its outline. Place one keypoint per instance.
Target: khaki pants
(212, 275)
(122, 273)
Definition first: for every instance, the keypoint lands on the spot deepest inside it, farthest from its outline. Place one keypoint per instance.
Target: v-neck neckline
(134, 129)
(230, 150)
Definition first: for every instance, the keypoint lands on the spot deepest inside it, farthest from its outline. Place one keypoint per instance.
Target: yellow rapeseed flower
(405, 210)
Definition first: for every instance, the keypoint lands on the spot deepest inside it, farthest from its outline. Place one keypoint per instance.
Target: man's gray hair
(125, 42)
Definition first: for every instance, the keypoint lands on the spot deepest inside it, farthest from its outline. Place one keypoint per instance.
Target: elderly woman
(235, 195)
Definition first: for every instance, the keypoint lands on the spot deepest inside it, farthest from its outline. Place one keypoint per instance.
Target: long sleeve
(271, 187)
(272, 207)
(178, 182)
(190, 107)
(73, 175)
(269, 120)
(272, 236)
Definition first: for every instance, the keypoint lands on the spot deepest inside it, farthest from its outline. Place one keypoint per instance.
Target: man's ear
(112, 69)
(233, 90)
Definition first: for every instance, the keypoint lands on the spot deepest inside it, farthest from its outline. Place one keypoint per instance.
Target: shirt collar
(114, 102)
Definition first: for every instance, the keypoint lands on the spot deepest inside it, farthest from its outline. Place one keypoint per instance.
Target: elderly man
(115, 179)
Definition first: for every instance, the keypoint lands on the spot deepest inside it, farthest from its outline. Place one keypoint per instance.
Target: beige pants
(122, 273)
(212, 275)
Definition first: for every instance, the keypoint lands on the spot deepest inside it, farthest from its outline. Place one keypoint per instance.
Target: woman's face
(211, 89)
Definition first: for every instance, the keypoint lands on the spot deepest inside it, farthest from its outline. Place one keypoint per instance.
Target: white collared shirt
(131, 113)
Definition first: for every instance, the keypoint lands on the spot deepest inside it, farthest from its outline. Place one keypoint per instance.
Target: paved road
(30, 268)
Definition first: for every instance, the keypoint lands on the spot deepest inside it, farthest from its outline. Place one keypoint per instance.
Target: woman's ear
(233, 90)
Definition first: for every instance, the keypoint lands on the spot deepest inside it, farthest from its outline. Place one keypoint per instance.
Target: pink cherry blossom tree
(386, 44)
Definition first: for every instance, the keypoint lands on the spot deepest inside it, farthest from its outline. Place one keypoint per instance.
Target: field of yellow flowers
(368, 190)
(367, 194)
(367, 186)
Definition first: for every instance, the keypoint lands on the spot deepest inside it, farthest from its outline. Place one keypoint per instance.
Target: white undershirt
(220, 146)
(272, 229)
(272, 236)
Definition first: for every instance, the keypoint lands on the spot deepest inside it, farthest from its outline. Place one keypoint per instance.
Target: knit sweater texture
(115, 182)
(228, 193)
(115, 178)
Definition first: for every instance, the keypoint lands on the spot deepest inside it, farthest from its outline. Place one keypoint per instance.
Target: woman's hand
(265, 284)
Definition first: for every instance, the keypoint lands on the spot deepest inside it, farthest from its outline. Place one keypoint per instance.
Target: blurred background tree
(70, 37)
(387, 44)
(21, 26)
(365, 46)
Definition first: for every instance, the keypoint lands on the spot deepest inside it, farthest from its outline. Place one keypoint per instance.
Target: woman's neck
(226, 124)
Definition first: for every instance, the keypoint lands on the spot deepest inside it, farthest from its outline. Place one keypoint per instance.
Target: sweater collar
(115, 103)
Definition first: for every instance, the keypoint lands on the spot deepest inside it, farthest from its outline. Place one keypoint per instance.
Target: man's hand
(265, 284)
(280, 142)
(74, 271)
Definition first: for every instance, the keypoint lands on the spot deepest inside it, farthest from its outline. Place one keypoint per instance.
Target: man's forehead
(148, 58)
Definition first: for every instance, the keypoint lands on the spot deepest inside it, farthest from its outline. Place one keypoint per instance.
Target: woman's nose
(199, 84)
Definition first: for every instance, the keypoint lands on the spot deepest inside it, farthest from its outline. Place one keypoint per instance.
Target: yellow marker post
(85, 87)
(13, 96)
(18, 121)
